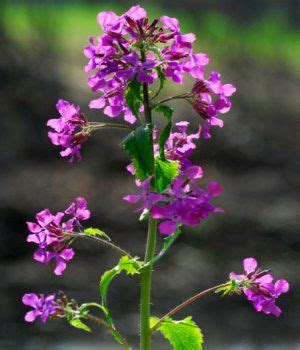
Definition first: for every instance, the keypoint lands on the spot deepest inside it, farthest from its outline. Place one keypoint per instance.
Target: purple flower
(211, 98)
(259, 288)
(188, 205)
(43, 306)
(68, 130)
(116, 60)
(147, 198)
(49, 233)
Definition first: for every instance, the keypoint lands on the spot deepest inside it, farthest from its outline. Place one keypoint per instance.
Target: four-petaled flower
(68, 130)
(49, 233)
(259, 288)
(43, 306)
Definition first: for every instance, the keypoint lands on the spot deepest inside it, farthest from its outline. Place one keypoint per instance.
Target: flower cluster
(206, 105)
(50, 234)
(132, 47)
(43, 306)
(68, 130)
(259, 288)
(184, 202)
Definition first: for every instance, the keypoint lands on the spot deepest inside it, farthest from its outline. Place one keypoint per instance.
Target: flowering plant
(129, 65)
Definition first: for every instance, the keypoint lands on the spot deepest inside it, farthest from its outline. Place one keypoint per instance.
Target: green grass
(270, 39)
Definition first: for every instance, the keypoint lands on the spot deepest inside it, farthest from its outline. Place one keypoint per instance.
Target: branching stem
(186, 303)
(111, 245)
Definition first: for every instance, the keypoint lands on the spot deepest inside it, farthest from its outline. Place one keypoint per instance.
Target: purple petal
(250, 265)
(167, 227)
(30, 299)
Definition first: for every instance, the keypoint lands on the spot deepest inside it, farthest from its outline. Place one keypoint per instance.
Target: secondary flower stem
(176, 97)
(102, 322)
(146, 274)
(111, 245)
(99, 125)
(186, 303)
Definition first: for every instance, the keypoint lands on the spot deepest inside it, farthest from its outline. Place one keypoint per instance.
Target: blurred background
(255, 45)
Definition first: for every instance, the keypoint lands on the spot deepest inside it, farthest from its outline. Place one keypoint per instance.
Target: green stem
(145, 337)
(146, 287)
(102, 322)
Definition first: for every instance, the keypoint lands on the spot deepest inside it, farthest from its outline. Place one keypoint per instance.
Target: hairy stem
(186, 303)
(102, 322)
(111, 245)
(146, 274)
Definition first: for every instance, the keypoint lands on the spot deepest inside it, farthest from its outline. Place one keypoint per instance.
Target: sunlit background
(255, 45)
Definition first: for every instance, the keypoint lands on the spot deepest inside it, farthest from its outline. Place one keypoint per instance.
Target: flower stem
(186, 303)
(102, 322)
(111, 245)
(176, 97)
(146, 287)
(146, 274)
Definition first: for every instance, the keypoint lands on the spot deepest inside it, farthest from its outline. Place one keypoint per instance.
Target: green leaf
(165, 133)
(75, 322)
(133, 96)
(127, 264)
(165, 110)
(161, 76)
(182, 335)
(131, 267)
(165, 172)
(139, 146)
(96, 232)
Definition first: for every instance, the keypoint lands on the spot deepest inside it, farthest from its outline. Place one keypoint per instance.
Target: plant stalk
(145, 306)
(186, 303)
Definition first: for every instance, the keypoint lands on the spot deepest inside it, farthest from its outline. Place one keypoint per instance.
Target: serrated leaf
(75, 322)
(182, 335)
(139, 146)
(165, 172)
(96, 232)
(133, 96)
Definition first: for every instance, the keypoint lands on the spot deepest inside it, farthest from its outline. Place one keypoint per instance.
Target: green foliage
(133, 96)
(182, 335)
(131, 267)
(77, 323)
(165, 172)
(230, 288)
(91, 231)
(165, 133)
(139, 146)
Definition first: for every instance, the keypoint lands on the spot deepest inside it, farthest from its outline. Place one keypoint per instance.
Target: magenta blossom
(187, 205)
(210, 98)
(49, 233)
(147, 198)
(43, 306)
(68, 132)
(259, 288)
(116, 60)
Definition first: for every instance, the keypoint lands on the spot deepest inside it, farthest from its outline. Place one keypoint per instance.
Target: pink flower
(68, 132)
(207, 106)
(43, 306)
(259, 288)
(49, 233)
